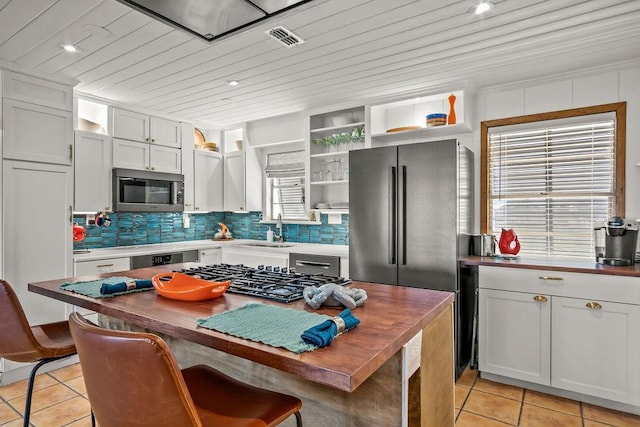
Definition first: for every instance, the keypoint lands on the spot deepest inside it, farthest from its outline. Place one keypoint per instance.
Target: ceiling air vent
(284, 36)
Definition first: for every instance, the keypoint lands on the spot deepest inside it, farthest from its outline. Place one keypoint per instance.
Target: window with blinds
(552, 181)
(285, 185)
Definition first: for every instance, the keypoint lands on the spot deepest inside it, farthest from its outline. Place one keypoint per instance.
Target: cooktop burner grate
(276, 283)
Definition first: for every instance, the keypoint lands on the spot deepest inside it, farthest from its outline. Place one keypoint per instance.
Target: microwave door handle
(175, 193)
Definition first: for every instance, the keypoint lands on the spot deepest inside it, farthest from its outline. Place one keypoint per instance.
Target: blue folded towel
(323, 334)
(107, 288)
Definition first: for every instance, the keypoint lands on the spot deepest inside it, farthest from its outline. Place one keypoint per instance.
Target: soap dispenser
(269, 235)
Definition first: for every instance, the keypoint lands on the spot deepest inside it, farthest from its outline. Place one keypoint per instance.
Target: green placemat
(267, 324)
(91, 288)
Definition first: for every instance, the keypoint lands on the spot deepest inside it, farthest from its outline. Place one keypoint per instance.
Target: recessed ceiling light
(233, 83)
(70, 48)
(482, 7)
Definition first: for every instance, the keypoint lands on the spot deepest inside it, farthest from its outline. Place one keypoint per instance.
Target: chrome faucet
(278, 237)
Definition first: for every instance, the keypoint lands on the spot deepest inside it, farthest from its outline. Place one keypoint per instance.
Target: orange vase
(451, 119)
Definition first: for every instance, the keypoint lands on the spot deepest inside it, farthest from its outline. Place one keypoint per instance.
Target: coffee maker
(616, 242)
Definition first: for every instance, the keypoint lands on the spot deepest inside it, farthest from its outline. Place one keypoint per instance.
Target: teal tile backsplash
(128, 229)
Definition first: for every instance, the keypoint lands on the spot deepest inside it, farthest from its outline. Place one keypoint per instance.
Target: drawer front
(84, 268)
(603, 287)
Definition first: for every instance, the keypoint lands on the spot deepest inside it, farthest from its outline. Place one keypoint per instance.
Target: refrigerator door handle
(391, 244)
(402, 200)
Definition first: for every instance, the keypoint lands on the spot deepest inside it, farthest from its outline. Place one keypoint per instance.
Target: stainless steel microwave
(145, 191)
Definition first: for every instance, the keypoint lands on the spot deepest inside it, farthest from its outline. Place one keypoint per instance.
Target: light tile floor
(60, 400)
(484, 403)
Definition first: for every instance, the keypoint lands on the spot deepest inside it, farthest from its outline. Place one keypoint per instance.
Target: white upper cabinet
(143, 156)
(37, 119)
(37, 133)
(37, 91)
(143, 128)
(130, 125)
(92, 172)
(208, 181)
(234, 195)
(164, 132)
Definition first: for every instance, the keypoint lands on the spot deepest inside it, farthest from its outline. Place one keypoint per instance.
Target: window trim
(620, 110)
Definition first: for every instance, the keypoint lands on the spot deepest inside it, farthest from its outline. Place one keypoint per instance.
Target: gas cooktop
(276, 283)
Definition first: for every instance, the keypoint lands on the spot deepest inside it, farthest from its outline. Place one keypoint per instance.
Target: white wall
(617, 84)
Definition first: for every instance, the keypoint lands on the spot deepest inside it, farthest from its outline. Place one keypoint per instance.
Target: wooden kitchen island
(365, 377)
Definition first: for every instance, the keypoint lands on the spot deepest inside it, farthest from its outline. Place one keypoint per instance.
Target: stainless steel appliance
(141, 261)
(276, 283)
(616, 242)
(315, 264)
(146, 191)
(410, 220)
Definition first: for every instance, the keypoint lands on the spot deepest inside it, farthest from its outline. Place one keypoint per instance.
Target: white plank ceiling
(354, 51)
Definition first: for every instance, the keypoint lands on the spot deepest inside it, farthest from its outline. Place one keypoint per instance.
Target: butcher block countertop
(574, 266)
(390, 317)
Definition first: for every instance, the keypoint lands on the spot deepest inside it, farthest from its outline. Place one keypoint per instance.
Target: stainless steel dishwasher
(151, 260)
(328, 265)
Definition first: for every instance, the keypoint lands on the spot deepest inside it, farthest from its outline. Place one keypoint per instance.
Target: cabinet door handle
(104, 265)
(71, 152)
(540, 298)
(557, 279)
(593, 305)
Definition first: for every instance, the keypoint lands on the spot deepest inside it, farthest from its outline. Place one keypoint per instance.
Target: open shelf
(330, 154)
(340, 127)
(344, 181)
(432, 132)
(334, 211)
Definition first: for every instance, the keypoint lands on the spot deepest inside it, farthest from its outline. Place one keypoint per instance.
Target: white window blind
(552, 182)
(285, 184)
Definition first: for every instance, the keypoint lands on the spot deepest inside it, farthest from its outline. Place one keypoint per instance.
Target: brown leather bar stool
(133, 379)
(20, 342)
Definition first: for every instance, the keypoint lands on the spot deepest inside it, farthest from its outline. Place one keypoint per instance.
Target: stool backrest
(132, 378)
(17, 342)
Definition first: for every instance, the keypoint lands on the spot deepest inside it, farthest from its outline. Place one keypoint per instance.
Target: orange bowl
(187, 288)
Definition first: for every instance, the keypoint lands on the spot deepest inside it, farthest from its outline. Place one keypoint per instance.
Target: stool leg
(298, 419)
(32, 378)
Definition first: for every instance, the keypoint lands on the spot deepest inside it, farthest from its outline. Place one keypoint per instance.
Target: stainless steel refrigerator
(410, 221)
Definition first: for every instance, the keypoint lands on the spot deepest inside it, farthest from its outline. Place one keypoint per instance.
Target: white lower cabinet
(254, 257)
(570, 331)
(515, 331)
(596, 348)
(110, 265)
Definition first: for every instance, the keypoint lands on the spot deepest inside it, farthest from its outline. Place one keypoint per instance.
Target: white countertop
(125, 251)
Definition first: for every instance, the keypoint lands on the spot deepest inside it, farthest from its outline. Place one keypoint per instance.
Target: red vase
(509, 244)
(451, 118)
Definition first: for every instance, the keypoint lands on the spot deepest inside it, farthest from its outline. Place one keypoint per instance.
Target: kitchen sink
(268, 245)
